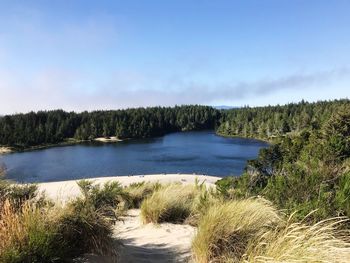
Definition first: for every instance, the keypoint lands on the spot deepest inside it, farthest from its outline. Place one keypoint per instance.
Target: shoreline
(68, 142)
(269, 141)
(113, 139)
(108, 140)
(5, 150)
(64, 190)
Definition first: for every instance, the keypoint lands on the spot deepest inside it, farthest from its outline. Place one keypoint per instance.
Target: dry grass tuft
(33, 233)
(226, 229)
(298, 242)
(11, 227)
(172, 203)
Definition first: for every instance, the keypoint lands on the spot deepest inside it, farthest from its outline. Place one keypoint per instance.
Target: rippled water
(187, 152)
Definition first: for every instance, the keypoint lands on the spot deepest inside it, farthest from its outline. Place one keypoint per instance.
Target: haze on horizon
(89, 55)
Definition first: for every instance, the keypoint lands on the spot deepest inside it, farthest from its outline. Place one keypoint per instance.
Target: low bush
(109, 199)
(17, 192)
(225, 230)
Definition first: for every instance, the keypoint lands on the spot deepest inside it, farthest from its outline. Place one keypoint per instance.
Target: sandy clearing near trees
(4, 150)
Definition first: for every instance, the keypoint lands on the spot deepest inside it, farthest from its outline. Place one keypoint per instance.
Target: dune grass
(52, 234)
(298, 242)
(35, 231)
(252, 230)
(137, 192)
(228, 230)
(26, 234)
(225, 230)
(171, 203)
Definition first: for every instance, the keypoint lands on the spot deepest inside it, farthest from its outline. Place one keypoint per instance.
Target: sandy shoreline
(65, 190)
(110, 139)
(4, 150)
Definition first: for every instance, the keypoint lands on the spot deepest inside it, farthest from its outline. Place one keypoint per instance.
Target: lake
(200, 152)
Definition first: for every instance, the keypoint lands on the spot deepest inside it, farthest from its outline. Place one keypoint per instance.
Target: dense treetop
(50, 127)
(272, 121)
(307, 168)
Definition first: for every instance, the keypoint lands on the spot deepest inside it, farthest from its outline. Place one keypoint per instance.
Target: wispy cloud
(52, 89)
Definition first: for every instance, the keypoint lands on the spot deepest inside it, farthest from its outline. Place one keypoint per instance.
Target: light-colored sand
(65, 190)
(138, 243)
(4, 150)
(110, 139)
(153, 243)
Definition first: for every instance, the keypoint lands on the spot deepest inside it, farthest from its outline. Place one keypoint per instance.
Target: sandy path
(153, 243)
(140, 243)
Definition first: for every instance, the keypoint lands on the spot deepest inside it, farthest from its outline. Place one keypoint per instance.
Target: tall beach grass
(226, 229)
(171, 203)
(299, 242)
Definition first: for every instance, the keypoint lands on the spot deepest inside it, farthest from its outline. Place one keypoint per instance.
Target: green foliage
(17, 194)
(137, 192)
(106, 198)
(50, 127)
(304, 172)
(275, 121)
(47, 233)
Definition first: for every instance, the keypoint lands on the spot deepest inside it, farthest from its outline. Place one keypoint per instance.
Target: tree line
(50, 127)
(273, 121)
(307, 168)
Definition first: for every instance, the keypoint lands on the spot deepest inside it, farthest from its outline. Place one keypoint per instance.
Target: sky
(91, 55)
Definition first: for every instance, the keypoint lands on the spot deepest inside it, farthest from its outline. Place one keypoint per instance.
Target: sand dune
(138, 243)
(65, 190)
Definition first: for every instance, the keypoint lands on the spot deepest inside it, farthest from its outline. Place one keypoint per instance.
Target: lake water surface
(187, 152)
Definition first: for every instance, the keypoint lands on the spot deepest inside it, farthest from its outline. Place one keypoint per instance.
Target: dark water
(188, 152)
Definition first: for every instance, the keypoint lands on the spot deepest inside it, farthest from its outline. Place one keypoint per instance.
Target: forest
(273, 121)
(291, 204)
(306, 169)
(51, 127)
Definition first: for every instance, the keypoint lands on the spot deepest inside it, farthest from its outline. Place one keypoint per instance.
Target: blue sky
(86, 55)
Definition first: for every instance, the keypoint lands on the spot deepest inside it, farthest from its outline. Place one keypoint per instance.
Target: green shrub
(109, 199)
(18, 194)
